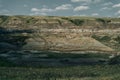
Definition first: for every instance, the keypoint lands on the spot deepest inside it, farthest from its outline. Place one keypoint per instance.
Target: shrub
(101, 20)
(115, 60)
(5, 62)
(77, 22)
(117, 39)
(4, 18)
(102, 38)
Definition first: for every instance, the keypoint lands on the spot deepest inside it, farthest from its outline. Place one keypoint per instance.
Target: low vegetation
(108, 71)
(104, 38)
(4, 62)
(77, 22)
(115, 60)
(18, 40)
(94, 72)
(72, 55)
(3, 19)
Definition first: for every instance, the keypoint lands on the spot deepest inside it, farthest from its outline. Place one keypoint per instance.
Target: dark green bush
(5, 62)
(115, 60)
(4, 18)
(101, 20)
(117, 39)
(15, 40)
(102, 38)
(77, 22)
(60, 23)
(31, 20)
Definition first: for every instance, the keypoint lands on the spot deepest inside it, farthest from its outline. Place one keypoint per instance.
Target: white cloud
(7, 14)
(96, 1)
(64, 7)
(95, 14)
(80, 0)
(38, 13)
(35, 10)
(118, 12)
(80, 8)
(42, 10)
(116, 5)
(88, 1)
(105, 8)
(25, 5)
(83, 15)
(4, 11)
(44, 6)
(107, 4)
(43, 13)
(46, 10)
(84, 4)
(80, 15)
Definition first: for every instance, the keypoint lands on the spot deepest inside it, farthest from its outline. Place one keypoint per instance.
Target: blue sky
(99, 8)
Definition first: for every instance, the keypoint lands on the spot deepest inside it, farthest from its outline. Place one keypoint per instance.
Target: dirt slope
(65, 42)
(24, 32)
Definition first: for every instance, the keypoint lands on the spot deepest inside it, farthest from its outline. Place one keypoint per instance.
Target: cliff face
(37, 22)
(27, 22)
(56, 33)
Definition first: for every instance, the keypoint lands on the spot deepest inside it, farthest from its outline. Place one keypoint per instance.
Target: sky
(97, 8)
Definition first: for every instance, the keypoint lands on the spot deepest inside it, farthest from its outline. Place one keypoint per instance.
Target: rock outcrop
(55, 33)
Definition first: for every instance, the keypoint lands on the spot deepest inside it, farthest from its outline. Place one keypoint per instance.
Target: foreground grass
(10, 71)
(89, 72)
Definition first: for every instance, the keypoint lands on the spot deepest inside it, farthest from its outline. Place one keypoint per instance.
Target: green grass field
(10, 71)
(90, 72)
